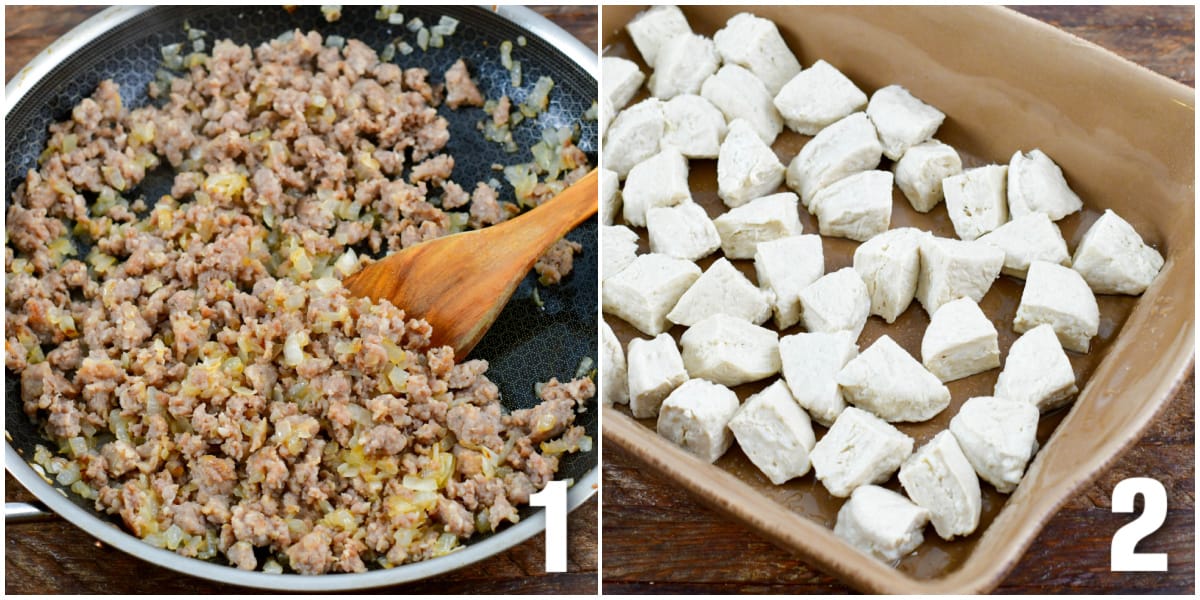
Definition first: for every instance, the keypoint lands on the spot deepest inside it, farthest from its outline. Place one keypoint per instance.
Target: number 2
(554, 499)
(1126, 538)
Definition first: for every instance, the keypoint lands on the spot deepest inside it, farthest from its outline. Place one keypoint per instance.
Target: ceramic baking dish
(1125, 140)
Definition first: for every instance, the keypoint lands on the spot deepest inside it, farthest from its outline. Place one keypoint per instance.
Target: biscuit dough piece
(1026, 239)
(740, 95)
(614, 377)
(722, 289)
(693, 126)
(610, 196)
(622, 79)
(655, 370)
(653, 27)
(1113, 258)
(1037, 184)
(919, 173)
(836, 302)
(683, 231)
(952, 269)
(998, 436)
(889, 265)
(960, 341)
(754, 43)
(858, 207)
(1037, 371)
(939, 479)
(785, 267)
(775, 433)
(684, 62)
(975, 200)
(903, 121)
(859, 449)
(1058, 296)
(730, 351)
(761, 220)
(843, 148)
(881, 523)
(811, 362)
(886, 380)
(817, 97)
(747, 168)
(618, 247)
(645, 291)
(696, 417)
(661, 180)
(634, 136)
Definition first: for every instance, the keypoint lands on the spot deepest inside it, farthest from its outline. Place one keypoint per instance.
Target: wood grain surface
(57, 557)
(658, 539)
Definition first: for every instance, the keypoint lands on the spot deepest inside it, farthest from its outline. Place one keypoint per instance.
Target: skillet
(527, 344)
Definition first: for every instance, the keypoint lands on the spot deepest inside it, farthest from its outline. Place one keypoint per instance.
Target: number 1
(554, 499)
(1126, 538)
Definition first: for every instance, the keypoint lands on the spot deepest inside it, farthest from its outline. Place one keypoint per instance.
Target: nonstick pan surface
(526, 345)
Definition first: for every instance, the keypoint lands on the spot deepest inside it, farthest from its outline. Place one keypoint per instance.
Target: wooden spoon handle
(554, 218)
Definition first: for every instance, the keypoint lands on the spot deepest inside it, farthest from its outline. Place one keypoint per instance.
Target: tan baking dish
(1125, 139)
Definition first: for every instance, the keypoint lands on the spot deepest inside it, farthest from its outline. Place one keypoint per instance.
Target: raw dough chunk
(811, 362)
(858, 207)
(1036, 184)
(953, 269)
(846, 147)
(998, 436)
(775, 433)
(683, 231)
(607, 112)
(652, 28)
(655, 370)
(919, 173)
(610, 196)
(622, 78)
(661, 180)
(754, 43)
(634, 136)
(693, 126)
(747, 168)
(618, 247)
(818, 97)
(960, 341)
(741, 95)
(1113, 259)
(886, 380)
(975, 200)
(614, 378)
(903, 121)
(785, 267)
(645, 291)
(1026, 239)
(939, 479)
(890, 264)
(762, 220)
(860, 449)
(684, 62)
(722, 289)
(1058, 296)
(696, 416)
(730, 351)
(1037, 371)
(881, 523)
(836, 302)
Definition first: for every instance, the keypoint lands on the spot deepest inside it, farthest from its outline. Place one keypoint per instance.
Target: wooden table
(658, 539)
(56, 557)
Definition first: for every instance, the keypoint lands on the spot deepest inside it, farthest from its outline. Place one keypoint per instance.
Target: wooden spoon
(460, 283)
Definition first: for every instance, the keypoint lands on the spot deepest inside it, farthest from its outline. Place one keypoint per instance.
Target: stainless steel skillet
(528, 344)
